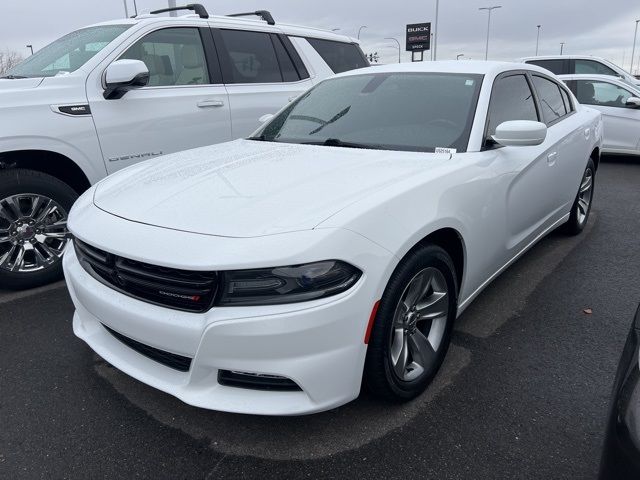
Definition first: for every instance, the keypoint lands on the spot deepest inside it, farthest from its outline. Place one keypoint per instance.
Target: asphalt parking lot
(523, 392)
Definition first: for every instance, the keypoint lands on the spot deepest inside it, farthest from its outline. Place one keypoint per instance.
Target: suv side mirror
(124, 75)
(520, 133)
(633, 102)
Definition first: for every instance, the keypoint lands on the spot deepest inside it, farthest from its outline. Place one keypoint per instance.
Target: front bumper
(318, 345)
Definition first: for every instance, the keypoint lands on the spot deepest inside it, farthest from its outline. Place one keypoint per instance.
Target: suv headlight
(298, 283)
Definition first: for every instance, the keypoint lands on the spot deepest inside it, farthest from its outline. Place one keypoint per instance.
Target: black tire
(379, 375)
(21, 181)
(577, 222)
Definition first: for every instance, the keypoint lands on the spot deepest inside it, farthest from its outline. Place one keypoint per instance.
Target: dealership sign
(418, 37)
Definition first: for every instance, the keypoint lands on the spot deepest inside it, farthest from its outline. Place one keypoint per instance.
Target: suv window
(511, 99)
(605, 94)
(555, 66)
(252, 57)
(340, 56)
(593, 67)
(174, 56)
(551, 101)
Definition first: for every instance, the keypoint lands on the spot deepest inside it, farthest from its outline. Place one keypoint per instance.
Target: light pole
(360, 30)
(435, 36)
(399, 48)
(561, 47)
(489, 9)
(538, 40)
(126, 10)
(633, 52)
(31, 47)
(459, 55)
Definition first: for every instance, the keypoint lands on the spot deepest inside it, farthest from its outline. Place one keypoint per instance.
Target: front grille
(179, 289)
(171, 360)
(256, 381)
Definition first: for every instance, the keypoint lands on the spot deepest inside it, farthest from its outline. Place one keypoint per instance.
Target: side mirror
(265, 118)
(633, 102)
(520, 133)
(124, 75)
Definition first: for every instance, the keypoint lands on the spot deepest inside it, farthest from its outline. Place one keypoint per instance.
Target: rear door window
(252, 57)
(340, 56)
(551, 102)
(554, 66)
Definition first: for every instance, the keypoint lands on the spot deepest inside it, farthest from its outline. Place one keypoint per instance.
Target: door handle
(210, 103)
(551, 158)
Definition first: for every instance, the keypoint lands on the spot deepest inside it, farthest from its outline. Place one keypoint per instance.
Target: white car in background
(341, 241)
(581, 65)
(619, 104)
(110, 95)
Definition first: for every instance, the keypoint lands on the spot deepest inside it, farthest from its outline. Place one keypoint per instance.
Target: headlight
(299, 283)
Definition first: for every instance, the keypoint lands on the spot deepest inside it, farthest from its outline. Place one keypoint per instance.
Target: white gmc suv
(115, 93)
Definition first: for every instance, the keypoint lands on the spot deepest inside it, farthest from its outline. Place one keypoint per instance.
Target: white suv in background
(581, 65)
(115, 93)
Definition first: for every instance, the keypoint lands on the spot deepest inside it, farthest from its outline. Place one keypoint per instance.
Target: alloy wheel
(419, 325)
(585, 195)
(33, 232)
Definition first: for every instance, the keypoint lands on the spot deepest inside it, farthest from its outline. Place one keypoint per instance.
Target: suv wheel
(412, 329)
(33, 227)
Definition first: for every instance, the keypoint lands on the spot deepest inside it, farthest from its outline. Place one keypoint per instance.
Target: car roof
(562, 57)
(233, 22)
(473, 67)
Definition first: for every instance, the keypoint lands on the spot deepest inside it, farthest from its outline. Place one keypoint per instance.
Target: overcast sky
(603, 27)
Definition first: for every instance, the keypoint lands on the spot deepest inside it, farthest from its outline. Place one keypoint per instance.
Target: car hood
(250, 188)
(19, 83)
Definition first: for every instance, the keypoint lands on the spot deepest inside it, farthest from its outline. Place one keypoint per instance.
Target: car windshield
(68, 53)
(390, 111)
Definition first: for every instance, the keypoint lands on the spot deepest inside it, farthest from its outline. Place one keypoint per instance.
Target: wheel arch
(451, 241)
(46, 161)
(595, 156)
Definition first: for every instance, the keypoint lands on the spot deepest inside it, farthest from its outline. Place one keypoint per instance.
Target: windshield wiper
(336, 142)
(333, 119)
(14, 77)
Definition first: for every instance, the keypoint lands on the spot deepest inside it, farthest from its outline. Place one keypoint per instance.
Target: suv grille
(171, 360)
(169, 287)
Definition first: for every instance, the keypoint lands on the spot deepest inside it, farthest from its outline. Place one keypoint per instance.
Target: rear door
(185, 105)
(567, 147)
(621, 122)
(262, 73)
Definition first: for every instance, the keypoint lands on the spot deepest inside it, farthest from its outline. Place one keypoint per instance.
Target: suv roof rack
(196, 7)
(263, 14)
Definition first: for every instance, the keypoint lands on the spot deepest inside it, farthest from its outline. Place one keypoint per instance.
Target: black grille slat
(169, 287)
(171, 360)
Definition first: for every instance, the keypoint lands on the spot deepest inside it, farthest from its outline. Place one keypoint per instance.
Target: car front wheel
(33, 227)
(412, 328)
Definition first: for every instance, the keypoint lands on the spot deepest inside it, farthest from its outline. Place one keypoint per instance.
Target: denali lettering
(135, 156)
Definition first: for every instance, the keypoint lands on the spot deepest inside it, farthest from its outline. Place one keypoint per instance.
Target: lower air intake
(171, 360)
(256, 381)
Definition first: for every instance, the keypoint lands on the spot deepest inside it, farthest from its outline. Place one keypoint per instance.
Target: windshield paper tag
(446, 150)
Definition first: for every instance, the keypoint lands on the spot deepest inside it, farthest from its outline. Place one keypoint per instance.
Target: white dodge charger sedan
(337, 245)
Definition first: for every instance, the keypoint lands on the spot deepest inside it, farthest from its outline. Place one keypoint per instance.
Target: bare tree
(9, 60)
